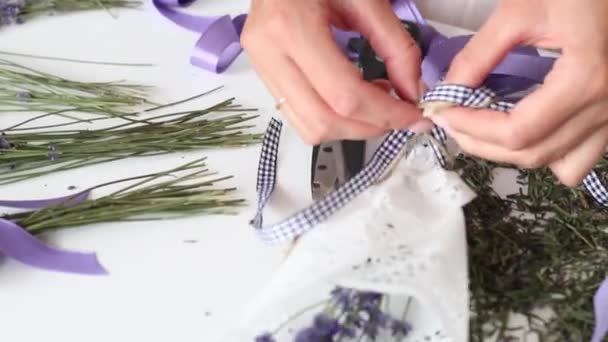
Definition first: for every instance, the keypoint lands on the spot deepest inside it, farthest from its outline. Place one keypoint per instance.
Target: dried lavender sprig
(189, 190)
(24, 89)
(544, 248)
(19, 11)
(33, 154)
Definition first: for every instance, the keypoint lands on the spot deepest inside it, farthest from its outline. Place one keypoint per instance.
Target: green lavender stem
(23, 89)
(190, 190)
(38, 153)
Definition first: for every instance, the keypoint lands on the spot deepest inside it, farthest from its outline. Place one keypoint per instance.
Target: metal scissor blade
(328, 167)
(333, 164)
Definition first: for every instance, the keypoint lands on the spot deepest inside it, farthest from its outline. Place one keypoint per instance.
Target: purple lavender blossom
(400, 328)
(312, 335)
(326, 325)
(342, 297)
(354, 313)
(10, 11)
(266, 337)
(23, 96)
(4, 144)
(346, 331)
(53, 155)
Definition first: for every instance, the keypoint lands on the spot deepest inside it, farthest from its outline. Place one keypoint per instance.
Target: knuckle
(311, 139)
(345, 103)
(569, 179)
(316, 135)
(463, 60)
(515, 138)
(280, 21)
(248, 38)
(598, 82)
(532, 160)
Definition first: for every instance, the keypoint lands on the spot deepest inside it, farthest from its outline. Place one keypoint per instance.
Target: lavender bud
(265, 338)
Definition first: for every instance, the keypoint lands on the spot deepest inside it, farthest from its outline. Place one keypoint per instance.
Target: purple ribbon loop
(219, 44)
(16, 243)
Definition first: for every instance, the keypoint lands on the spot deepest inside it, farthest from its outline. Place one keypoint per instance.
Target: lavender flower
(10, 11)
(326, 325)
(349, 314)
(52, 155)
(4, 144)
(23, 96)
(312, 335)
(400, 328)
(342, 297)
(266, 337)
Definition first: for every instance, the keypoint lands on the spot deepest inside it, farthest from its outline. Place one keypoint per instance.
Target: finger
(571, 169)
(377, 21)
(534, 118)
(384, 85)
(313, 118)
(298, 122)
(488, 47)
(565, 139)
(340, 83)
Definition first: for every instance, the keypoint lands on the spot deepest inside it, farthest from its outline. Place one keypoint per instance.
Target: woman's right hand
(291, 46)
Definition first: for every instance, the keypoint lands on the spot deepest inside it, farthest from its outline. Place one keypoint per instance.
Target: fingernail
(423, 126)
(422, 88)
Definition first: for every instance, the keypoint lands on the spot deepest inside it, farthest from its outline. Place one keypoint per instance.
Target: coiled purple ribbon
(16, 243)
(522, 68)
(219, 44)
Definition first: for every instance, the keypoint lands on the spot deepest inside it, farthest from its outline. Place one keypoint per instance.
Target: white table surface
(160, 287)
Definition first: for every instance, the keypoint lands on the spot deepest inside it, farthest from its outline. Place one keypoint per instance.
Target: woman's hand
(290, 43)
(563, 124)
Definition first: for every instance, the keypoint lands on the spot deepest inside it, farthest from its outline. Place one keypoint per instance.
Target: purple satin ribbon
(16, 243)
(219, 44)
(600, 304)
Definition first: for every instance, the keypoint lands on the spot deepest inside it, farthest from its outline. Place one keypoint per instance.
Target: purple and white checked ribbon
(392, 145)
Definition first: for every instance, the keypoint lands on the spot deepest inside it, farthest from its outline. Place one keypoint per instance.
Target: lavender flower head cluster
(11, 11)
(349, 314)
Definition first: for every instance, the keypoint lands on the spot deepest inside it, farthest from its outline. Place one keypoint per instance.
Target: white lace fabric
(404, 237)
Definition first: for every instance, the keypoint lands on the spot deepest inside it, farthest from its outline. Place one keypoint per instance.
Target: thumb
(486, 49)
(390, 40)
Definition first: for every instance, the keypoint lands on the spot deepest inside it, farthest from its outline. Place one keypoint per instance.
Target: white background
(160, 288)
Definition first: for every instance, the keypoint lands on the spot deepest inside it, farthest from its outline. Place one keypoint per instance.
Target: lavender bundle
(32, 154)
(349, 315)
(20, 11)
(189, 190)
(24, 89)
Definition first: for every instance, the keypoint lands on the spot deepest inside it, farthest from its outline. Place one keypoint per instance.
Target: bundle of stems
(189, 189)
(19, 11)
(23, 89)
(32, 154)
(544, 249)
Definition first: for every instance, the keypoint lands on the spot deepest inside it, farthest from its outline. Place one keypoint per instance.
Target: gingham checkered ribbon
(392, 145)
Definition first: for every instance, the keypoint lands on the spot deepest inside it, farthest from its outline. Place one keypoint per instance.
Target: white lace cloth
(404, 236)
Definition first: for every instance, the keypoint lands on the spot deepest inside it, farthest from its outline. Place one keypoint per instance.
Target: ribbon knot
(452, 95)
